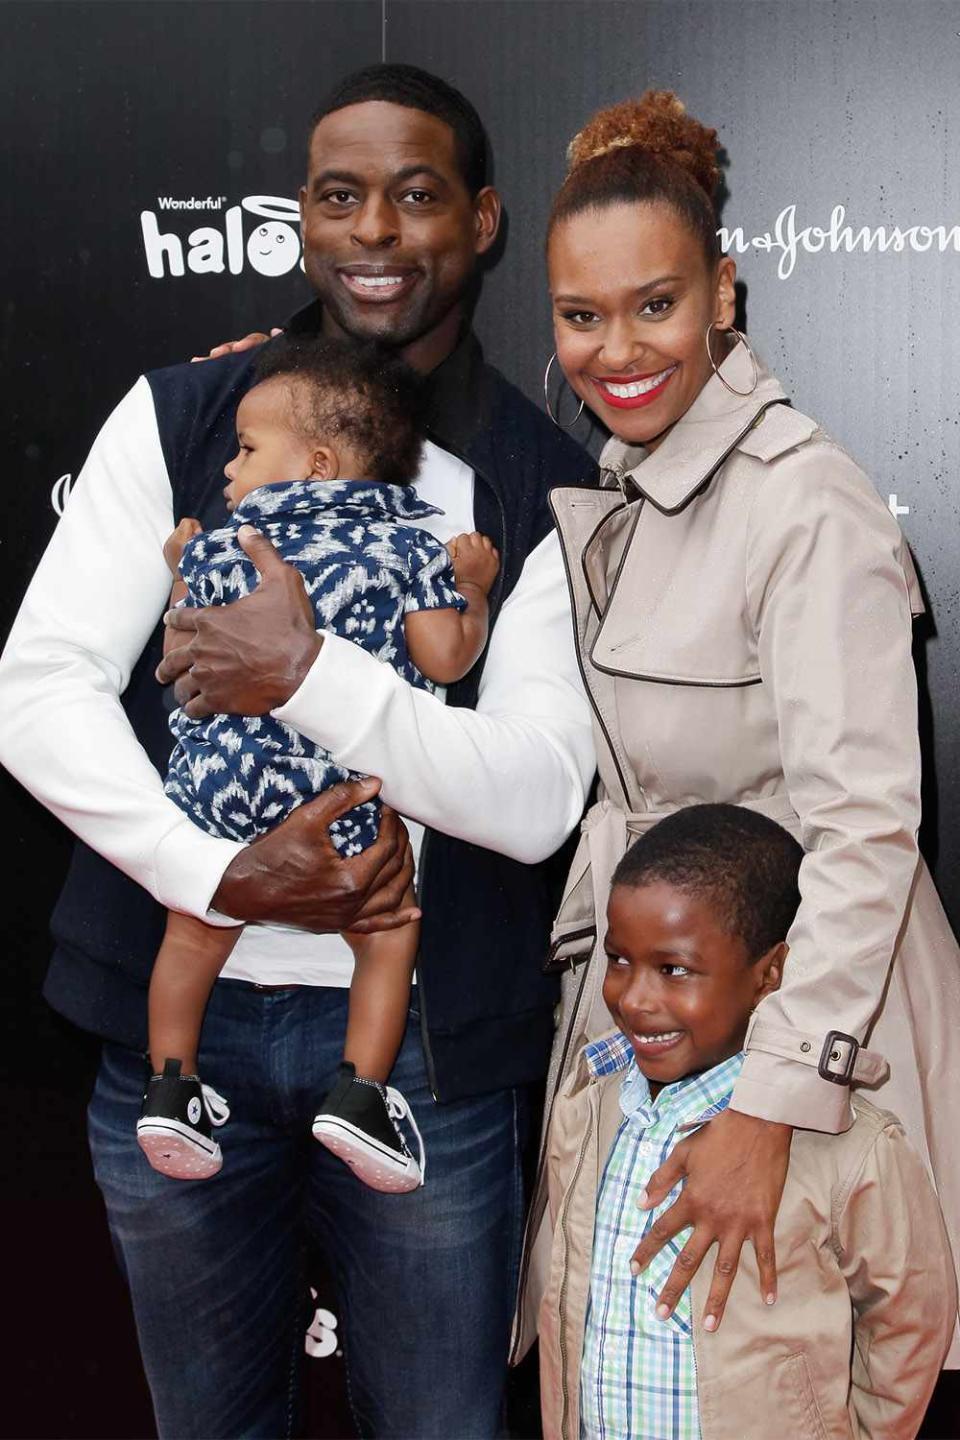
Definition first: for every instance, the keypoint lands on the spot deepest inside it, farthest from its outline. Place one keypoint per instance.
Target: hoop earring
(716, 368)
(546, 398)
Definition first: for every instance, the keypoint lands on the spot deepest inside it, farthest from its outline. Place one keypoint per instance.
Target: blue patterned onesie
(364, 569)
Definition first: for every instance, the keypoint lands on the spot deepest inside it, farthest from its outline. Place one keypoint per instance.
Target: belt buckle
(829, 1055)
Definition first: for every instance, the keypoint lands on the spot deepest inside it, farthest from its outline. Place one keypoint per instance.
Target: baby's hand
(475, 560)
(173, 546)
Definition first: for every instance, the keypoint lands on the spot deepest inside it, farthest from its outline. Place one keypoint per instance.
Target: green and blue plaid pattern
(638, 1377)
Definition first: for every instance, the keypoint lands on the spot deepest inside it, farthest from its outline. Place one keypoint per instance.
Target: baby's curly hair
(640, 151)
(355, 390)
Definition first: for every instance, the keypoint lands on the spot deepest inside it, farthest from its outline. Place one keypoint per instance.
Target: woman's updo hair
(640, 151)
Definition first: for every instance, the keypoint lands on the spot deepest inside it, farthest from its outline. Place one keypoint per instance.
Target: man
(396, 214)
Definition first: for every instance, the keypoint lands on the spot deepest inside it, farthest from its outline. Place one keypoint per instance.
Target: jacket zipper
(563, 1285)
(427, 834)
(538, 1194)
(583, 673)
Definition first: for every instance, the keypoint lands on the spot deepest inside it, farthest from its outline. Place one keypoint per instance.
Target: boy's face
(271, 450)
(677, 984)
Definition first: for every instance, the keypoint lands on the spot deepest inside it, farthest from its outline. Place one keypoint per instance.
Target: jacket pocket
(771, 1398)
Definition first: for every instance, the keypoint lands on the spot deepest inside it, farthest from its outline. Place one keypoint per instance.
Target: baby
(328, 450)
(852, 1342)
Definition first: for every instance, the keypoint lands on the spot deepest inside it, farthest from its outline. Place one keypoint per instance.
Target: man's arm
(512, 775)
(85, 620)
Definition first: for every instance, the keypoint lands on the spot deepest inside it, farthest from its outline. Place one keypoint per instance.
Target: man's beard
(393, 331)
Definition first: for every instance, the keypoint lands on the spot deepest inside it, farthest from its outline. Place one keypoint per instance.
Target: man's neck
(427, 351)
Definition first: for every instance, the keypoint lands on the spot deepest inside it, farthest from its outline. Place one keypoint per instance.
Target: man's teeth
(659, 1039)
(638, 387)
(377, 282)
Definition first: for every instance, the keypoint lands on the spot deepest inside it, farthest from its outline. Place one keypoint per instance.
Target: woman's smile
(630, 392)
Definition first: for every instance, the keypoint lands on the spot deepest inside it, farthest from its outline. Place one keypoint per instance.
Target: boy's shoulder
(836, 1161)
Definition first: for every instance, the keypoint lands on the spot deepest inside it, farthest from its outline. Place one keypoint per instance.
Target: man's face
(391, 234)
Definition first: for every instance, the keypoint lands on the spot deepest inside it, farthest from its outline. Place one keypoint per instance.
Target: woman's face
(633, 294)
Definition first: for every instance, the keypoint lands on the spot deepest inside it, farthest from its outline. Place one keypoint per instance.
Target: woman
(742, 603)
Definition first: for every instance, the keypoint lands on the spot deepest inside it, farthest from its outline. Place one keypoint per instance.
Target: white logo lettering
(321, 1337)
(60, 493)
(790, 240)
(272, 247)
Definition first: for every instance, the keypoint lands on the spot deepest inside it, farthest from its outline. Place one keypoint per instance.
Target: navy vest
(486, 1006)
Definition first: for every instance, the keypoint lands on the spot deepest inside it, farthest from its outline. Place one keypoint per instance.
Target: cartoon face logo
(273, 248)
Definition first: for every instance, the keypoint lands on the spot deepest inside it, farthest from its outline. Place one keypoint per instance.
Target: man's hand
(733, 1172)
(293, 875)
(248, 657)
(475, 560)
(234, 347)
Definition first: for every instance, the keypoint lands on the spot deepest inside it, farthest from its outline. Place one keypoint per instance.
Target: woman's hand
(733, 1172)
(234, 347)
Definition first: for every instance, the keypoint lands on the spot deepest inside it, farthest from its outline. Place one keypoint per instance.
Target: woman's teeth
(638, 387)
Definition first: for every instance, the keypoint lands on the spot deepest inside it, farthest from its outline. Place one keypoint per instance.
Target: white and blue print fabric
(365, 565)
(638, 1378)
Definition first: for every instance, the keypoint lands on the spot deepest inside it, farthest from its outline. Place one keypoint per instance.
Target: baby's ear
(770, 970)
(326, 463)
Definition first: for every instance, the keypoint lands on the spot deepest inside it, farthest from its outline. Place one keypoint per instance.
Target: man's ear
(326, 464)
(769, 971)
(486, 209)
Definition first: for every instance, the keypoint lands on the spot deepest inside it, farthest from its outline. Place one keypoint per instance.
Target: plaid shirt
(638, 1378)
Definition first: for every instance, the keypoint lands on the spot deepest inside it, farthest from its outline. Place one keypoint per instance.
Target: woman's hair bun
(658, 123)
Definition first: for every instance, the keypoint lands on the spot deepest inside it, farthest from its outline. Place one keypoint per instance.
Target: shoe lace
(398, 1109)
(216, 1107)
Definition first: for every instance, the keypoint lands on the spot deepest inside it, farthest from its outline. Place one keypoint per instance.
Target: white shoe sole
(177, 1154)
(377, 1166)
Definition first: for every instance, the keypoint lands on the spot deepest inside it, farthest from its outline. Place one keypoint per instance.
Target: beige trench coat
(742, 602)
(853, 1347)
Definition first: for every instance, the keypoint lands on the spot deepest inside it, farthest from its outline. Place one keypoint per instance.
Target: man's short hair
(742, 863)
(418, 90)
(357, 391)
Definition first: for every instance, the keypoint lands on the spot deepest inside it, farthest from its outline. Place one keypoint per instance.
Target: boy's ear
(326, 464)
(769, 971)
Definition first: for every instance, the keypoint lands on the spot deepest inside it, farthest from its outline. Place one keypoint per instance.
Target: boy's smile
(678, 984)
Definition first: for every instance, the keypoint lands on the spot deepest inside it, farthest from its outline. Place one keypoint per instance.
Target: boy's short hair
(355, 390)
(417, 89)
(743, 863)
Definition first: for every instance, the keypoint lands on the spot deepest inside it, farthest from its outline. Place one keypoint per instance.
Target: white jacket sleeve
(91, 608)
(511, 775)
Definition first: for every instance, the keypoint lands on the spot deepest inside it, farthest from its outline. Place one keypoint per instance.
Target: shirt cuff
(773, 1088)
(188, 868)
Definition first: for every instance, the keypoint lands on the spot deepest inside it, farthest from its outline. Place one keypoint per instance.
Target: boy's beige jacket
(742, 603)
(864, 1268)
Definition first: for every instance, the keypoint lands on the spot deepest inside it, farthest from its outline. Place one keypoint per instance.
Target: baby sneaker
(358, 1122)
(175, 1126)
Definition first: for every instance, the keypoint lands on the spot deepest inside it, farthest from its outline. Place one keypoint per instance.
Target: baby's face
(271, 450)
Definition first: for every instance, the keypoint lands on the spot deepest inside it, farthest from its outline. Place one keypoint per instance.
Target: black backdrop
(147, 139)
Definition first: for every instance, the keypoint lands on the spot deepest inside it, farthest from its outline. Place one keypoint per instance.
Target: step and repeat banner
(153, 157)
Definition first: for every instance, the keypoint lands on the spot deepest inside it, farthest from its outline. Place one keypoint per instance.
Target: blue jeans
(216, 1267)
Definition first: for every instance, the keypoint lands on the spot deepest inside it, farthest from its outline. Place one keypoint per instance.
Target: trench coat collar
(699, 442)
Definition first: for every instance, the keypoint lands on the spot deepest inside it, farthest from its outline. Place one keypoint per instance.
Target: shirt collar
(361, 497)
(689, 1101)
(700, 441)
(454, 393)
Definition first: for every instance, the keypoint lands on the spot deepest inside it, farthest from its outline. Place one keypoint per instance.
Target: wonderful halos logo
(262, 231)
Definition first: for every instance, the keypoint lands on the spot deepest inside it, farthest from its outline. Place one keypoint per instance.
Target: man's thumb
(260, 550)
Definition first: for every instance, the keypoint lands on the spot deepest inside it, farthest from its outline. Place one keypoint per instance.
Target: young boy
(866, 1301)
(328, 448)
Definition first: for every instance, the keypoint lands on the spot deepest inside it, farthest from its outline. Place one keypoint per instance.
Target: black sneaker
(358, 1122)
(174, 1129)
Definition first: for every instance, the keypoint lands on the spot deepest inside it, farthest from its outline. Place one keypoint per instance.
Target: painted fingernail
(770, 1299)
(710, 1322)
(663, 1312)
(634, 1268)
(643, 1199)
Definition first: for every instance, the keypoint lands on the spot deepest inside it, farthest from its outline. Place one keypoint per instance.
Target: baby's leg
(190, 958)
(380, 996)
